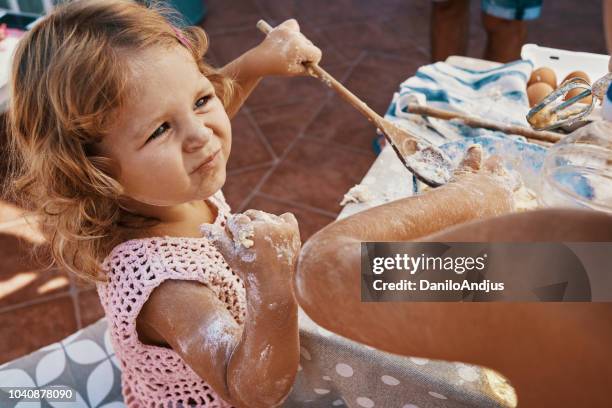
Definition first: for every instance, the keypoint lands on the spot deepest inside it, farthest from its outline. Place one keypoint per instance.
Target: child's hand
(261, 248)
(285, 51)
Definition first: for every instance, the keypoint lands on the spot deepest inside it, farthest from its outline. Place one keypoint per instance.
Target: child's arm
(283, 52)
(253, 366)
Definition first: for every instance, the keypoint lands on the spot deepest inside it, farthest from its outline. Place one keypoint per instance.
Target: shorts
(511, 9)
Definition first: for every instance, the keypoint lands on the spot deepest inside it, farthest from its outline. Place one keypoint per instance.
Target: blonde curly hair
(70, 74)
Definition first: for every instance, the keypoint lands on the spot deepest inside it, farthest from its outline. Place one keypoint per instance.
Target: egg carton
(563, 62)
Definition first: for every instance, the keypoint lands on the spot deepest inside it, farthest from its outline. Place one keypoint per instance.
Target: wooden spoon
(428, 163)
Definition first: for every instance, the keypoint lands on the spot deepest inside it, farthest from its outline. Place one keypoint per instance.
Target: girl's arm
(252, 366)
(283, 52)
(249, 366)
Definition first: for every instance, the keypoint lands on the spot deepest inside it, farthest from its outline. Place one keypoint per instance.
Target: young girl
(120, 139)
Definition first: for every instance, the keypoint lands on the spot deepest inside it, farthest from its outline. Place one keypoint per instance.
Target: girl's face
(172, 138)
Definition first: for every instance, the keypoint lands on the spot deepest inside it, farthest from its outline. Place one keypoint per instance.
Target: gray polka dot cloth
(334, 372)
(337, 372)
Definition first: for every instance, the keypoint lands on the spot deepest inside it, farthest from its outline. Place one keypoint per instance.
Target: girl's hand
(261, 248)
(285, 51)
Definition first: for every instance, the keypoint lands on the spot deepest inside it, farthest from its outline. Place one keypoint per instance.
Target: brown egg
(537, 92)
(543, 74)
(577, 74)
(575, 92)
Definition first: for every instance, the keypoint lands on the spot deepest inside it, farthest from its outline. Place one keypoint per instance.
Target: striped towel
(497, 94)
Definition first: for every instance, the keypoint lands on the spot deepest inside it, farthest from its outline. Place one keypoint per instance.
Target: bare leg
(504, 38)
(607, 15)
(449, 28)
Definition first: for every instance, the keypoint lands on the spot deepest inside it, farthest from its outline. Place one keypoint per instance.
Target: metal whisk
(554, 112)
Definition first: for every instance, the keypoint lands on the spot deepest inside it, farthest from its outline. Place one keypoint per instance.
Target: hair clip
(181, 37)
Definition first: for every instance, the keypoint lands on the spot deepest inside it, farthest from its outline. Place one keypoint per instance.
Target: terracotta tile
(275, 91)
(223, 16)
(81, 284)
(317, 174)
(352, 39)
(341, 124)
(248, 148)
(211, 59)
(230, 45)
(31, 327)
(411, 24)
(280, 90)
(239, 185)
(283, 124)
(551, 29)
(323, 12)
(90, 307)
(226, 46)
(331, 55)
(17, 255)
(26, 270)
(374, 80)
(308, 14)
(384, 8)
(24, 286)
(377, 77)
(309, 221)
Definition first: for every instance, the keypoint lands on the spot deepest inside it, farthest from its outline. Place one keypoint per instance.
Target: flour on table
(357, 194)
(524, 199)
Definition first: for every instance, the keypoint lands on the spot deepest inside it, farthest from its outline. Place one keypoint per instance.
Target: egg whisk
(554, 111)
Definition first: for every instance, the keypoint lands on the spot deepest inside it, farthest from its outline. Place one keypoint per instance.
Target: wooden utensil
(477, 122)
(428, 163)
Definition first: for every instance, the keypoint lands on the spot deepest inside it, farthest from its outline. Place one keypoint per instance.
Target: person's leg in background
(450, 25)
(504, 22)
(607, 17)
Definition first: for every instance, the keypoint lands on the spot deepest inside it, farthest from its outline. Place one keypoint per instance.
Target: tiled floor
(297, 147)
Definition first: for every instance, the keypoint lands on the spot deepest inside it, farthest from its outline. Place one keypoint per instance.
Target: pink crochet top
(157, 376)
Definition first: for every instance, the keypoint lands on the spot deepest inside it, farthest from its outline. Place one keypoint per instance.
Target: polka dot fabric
(157, 376)
(337, 372)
